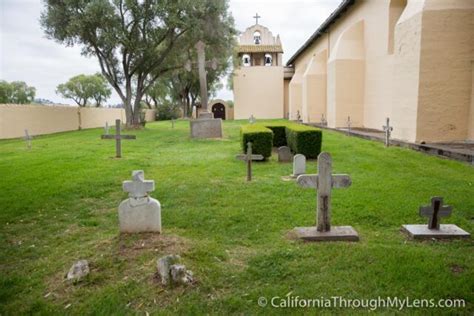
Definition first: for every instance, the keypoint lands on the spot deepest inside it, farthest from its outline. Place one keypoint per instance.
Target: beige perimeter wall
(40, 119)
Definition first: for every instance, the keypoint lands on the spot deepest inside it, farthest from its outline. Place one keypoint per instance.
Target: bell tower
(258, 78)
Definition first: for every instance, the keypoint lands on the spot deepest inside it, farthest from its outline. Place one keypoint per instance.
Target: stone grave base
(337, 233)
(445, 231)
(206, 115)
(141, 218)
(206, 128)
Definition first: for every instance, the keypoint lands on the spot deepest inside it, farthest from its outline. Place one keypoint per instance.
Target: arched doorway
(218, 109)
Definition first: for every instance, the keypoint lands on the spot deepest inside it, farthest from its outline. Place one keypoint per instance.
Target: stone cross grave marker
(298, 116)
(118, 139)
(323, 120)
(349, 124)
(388, 130)
(106, 128)
(139, 213)
(252, 119)
(284, 154)
(299, 165)
(28, 139)
(434, 229)
(248, 157)
(172, 123)
(324, 182)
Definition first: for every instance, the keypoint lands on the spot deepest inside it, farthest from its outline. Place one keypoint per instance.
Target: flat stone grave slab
(445, 231)
(206, 128)
(337, 233)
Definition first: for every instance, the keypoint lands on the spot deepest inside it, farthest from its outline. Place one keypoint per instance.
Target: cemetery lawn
(59, 204)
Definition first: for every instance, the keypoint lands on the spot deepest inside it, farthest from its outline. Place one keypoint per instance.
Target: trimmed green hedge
(260, 137)
(301, 139)
(304, 140)
(279, 134)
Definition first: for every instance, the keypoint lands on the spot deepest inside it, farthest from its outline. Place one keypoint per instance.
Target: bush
(167, 111)
(260, 137)
(304, 140)
(279, 134)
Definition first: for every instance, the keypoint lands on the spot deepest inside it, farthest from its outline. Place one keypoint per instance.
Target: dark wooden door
(219, 110)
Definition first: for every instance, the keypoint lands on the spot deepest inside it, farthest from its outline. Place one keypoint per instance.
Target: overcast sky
(26, 55)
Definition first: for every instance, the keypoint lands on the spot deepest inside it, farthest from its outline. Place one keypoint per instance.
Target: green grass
(59, 204)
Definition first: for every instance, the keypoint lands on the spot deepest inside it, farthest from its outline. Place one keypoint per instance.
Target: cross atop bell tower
(256, 17)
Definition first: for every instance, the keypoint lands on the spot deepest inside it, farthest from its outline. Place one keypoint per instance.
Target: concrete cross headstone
(388, 130)
(323, 120)
(299, 165)
(252, 119)
(284, 154)
(298, 116)
(172, 123)
(324, 182)
(106, 128)
(248, 157)
(349, 124)
(139, 213)
(118, 139)
(434, 229)
(28, 139)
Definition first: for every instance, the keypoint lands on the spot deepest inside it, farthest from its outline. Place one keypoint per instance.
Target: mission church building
(409, 60)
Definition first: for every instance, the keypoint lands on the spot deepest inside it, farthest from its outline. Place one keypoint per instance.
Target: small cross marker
(349, 124)
(118, 139)
(435, 211)
(28, 139)
(323, 120)
(248, 157)
(388, 130)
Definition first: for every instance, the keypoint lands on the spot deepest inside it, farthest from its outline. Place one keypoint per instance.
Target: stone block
(144, 217)
(206, 128)
(445, 231)
(337, 233)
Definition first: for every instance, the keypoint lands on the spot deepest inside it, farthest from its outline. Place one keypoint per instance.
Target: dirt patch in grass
(131, 245)
(239, 256)
(456, 269)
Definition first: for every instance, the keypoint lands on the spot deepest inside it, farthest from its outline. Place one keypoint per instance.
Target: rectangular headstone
(206, 128)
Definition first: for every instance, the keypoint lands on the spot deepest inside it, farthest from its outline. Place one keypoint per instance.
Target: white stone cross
(349, 123)
(106, 128)
(28, 139)
(388, 130)
(138, 187)
(248, 157)
(435, 211)
(324, 182)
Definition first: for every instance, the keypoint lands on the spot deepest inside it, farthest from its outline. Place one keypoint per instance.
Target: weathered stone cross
(252, 119)
(28, 139)
(323, 120)
(118, 139)
(106, 128)
(324, 182)
(201, 55)
(349, 123)
(388, 130)
(138, 188)
(248, 157)
(435, 211)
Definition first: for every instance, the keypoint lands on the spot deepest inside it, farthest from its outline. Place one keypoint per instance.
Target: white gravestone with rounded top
(139, 213)
(299, 165)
